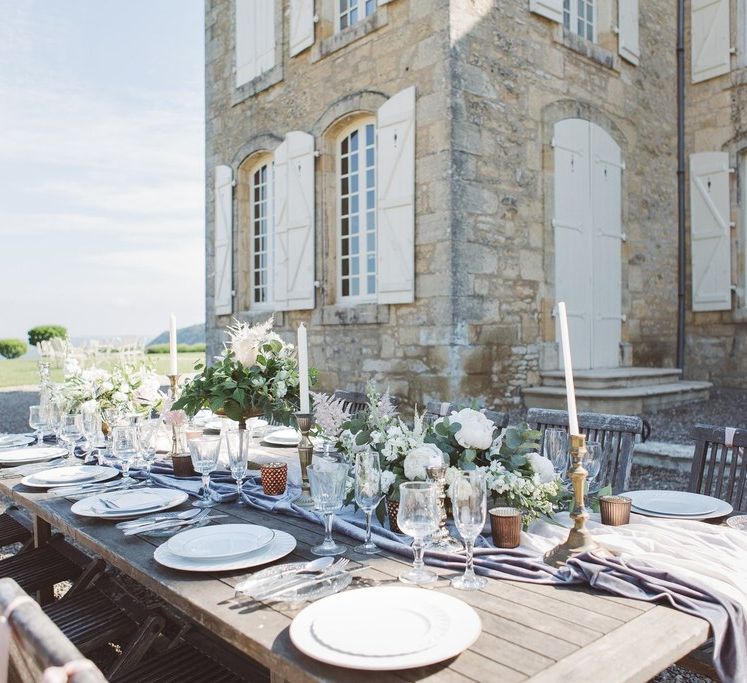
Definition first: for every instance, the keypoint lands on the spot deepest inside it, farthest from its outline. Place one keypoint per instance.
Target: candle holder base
(305, 452)
(173, 386)
(304, 499)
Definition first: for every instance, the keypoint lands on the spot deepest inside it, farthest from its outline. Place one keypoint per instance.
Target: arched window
(356, 192)
(261, 230)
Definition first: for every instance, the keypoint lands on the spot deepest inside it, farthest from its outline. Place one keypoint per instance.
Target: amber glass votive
(615, 510)
(274, 478)
(505, 526)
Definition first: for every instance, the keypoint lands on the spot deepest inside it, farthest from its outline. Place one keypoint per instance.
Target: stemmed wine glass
(147, 432)
(239, 442)
(418, 516)
(90, 422)
(70, 431)
(37, 422)
(368, 493)
(555, 449)
(469, 503)
(327, 484)
(124, 446)
(592, 463)
(204, 452)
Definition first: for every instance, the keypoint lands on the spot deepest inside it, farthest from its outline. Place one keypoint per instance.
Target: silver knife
(168, 524)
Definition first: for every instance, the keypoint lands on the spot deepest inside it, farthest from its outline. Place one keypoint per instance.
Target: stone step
(607, 378)
(636, 400)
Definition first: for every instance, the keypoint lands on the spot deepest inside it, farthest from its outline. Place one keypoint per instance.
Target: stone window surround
(603, 49)
(331, 41)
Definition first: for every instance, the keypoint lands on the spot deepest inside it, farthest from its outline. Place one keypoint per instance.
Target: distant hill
(194, 334)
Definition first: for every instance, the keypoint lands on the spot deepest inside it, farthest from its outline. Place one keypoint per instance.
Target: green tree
(45, 332)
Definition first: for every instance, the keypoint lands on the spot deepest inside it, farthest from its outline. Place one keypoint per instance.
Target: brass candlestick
(441, 539)
(174, 385)
(305, 450)
(579, 539)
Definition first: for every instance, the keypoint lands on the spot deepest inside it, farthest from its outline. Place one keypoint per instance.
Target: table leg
(42, 534)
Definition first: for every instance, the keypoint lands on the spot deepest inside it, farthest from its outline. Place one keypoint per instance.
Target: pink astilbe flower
(330, 414)
(245, 340)
(175, 418)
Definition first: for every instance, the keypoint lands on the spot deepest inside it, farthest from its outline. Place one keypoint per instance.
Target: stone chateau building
(420, 181)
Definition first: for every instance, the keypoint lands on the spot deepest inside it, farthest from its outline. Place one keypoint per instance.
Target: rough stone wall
(514, 75)
(716, 120)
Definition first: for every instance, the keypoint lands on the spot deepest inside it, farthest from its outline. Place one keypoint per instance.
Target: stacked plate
(9, 457)
(392, 628)
(67, 476)
(283, 437)
(677, 505)
(126, 504)
(224, 547)
(15, 440)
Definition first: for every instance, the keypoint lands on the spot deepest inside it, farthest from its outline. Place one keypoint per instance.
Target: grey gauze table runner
(640, 581)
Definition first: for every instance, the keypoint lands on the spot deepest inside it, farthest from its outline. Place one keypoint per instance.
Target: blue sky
(101, 165)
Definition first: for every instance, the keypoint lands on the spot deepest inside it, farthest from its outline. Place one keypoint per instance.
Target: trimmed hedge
(181, 348)
(46, 332)
(12, 348)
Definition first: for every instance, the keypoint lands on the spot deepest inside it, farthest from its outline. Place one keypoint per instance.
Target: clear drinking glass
(70, 431)
(90, 421)
(469, 503)
(418, 516)
(592, 463)
(125, 447)
(204, 452)
(555, 448)
(147, 432)
(239, 442)
(328, 491)
(368, 493)
(37, 423)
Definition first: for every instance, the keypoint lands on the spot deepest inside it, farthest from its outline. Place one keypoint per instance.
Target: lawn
(24, 371)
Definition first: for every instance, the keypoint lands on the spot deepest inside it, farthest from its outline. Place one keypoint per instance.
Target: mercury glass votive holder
(505, 526)
(615, 510)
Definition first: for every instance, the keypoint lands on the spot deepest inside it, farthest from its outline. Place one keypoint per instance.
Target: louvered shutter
(395, 188)
(255, 38)
(301, 25)
(710, 41)
(300, 221)
(627, 37)
(223, 241)
(280, 241)
(710, 231)
(552, 9)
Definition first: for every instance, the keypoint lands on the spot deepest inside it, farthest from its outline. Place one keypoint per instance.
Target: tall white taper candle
(303, 369)
(568, 366)
(173, 366)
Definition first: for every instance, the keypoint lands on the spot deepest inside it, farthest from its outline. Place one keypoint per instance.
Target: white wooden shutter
(223, 241)
(627, 26)
(395, 188)
(255, 38)
(710, 39)
(300, 221)
(552, 9)
(280, 239)
(301, 25)
(384, 2)
(710, 231)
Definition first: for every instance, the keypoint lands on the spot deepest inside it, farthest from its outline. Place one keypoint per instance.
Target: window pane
(260, 233)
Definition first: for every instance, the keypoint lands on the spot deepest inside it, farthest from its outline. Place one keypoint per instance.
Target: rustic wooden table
(530, 632)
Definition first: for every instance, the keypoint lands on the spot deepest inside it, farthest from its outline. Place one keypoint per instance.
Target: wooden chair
(436, 409)
(616, 433)
(720, 464)
(14, 528)
(355, 401)
(37, 644)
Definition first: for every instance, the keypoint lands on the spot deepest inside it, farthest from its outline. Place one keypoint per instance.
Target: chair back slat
(616, 434)
(37, 643)
(356, 401)
(719, 468)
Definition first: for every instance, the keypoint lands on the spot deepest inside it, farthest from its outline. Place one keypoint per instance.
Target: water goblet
(328, 491)
(368, 493)
(469, 503)
(147, 432)
(592, 463)
(204, 452)
(418, 516)
(90, 421)
(124, 445)
(555, 449)
(239, 442)
(70, 432)
(37, 423)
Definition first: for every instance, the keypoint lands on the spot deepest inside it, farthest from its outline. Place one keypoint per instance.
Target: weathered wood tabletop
(530, 632)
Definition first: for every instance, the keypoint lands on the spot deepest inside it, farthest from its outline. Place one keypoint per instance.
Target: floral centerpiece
(330, 417)
(257, 374)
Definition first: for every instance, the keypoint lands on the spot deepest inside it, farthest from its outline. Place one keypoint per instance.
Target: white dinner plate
(283, 437)
(677, 500)
(26, 455)
(462, 628)
(130, 503)
(15, 440)
(282, 544)
(222, 542)
(65, 476)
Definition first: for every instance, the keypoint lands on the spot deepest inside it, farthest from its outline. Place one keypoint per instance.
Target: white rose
(542, 466)
(119, 397)
(387, 479)
(246, 352)
(421, 457)
(476, 430)
(107, 386)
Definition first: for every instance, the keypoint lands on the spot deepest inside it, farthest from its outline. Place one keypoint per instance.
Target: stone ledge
(585, 48)
(360, 314)
(258, 84)
(668, 456)
(254, 317)
(343, 38)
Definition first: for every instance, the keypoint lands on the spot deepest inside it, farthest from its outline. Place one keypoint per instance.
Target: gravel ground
(14, 408)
